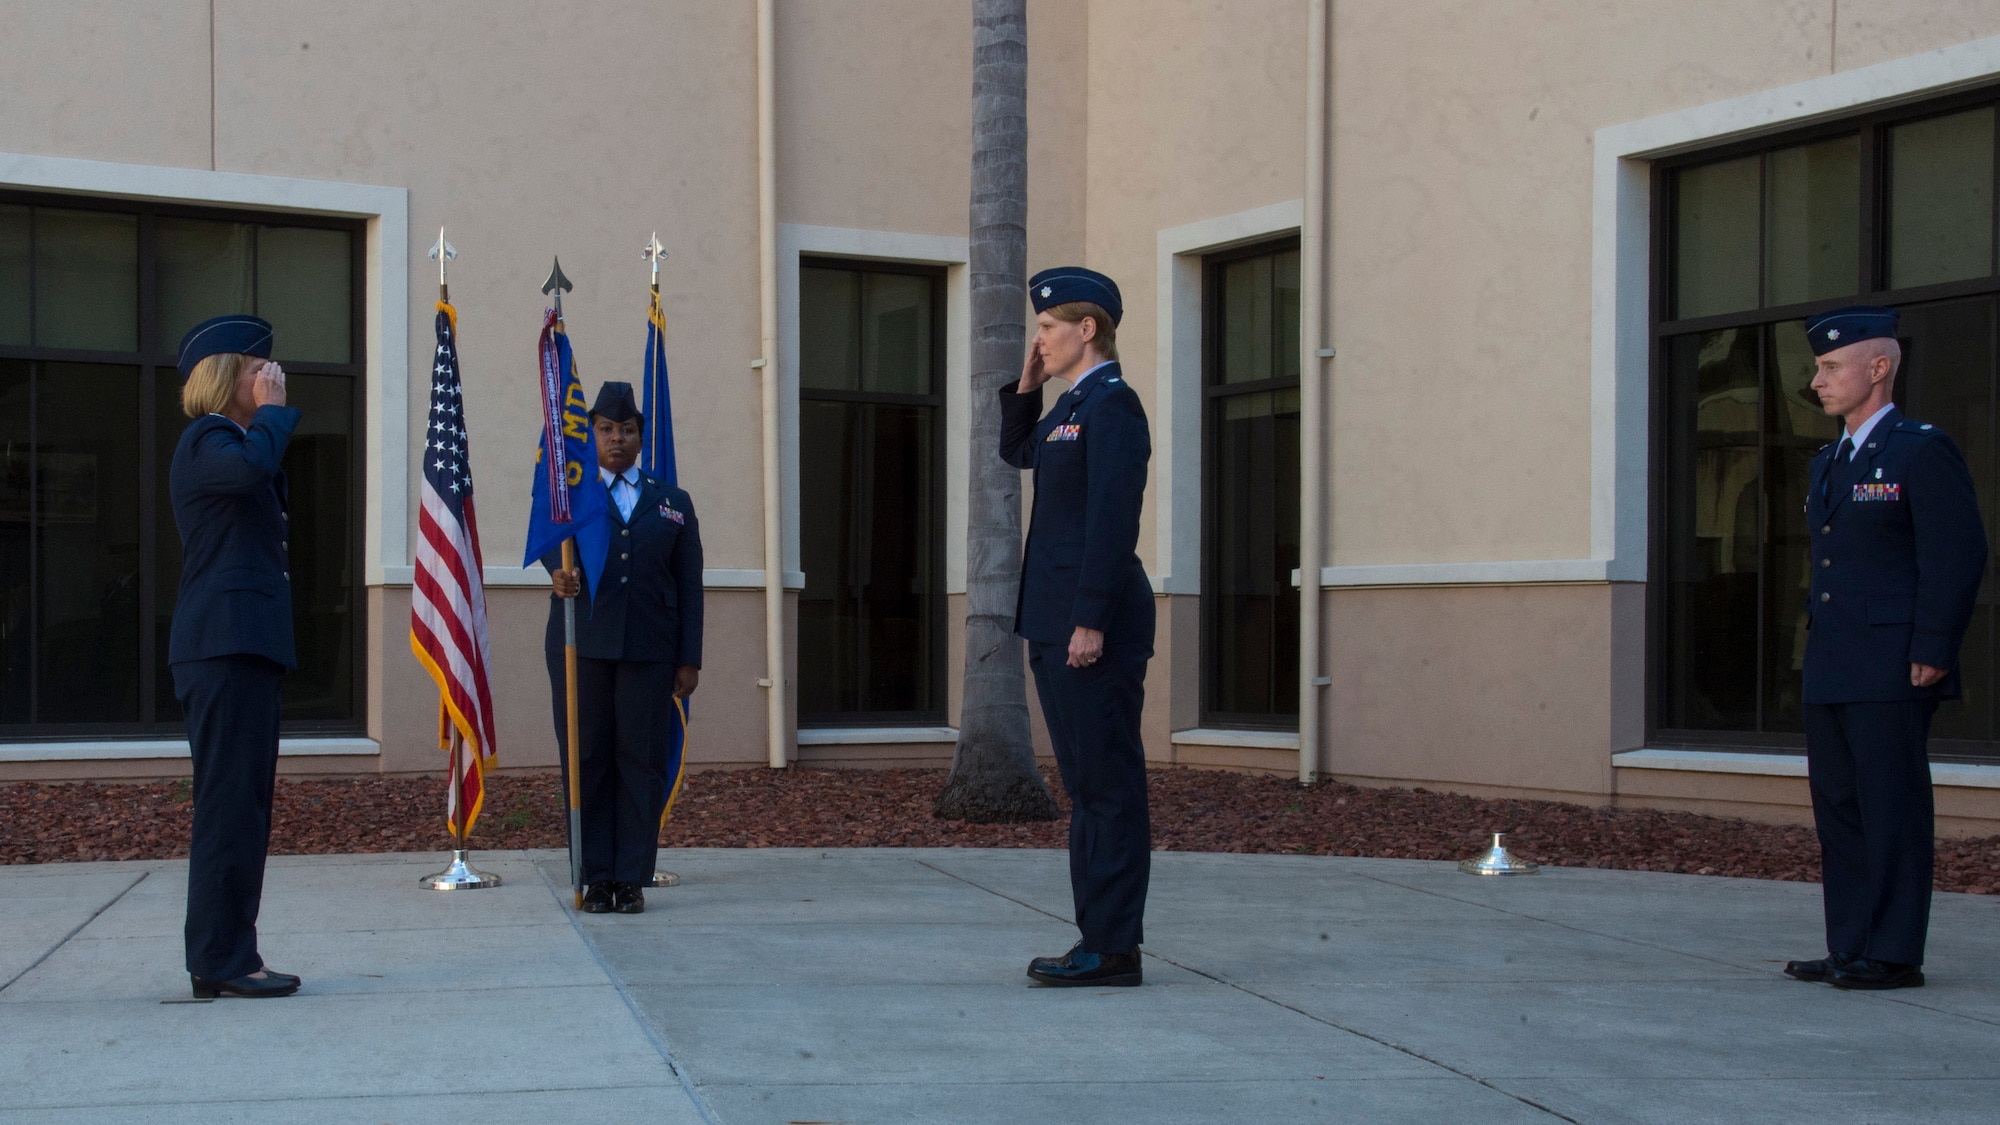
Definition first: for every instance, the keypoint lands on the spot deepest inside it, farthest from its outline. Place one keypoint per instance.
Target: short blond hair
(1106, 339)
(212, 384)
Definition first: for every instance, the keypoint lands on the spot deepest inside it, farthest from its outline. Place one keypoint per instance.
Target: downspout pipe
(1316, 354)
(767, 255)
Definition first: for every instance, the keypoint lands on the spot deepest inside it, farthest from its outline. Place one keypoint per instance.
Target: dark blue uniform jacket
(1898, 550)
(228, 491)
(650, 607)
(1082, 563)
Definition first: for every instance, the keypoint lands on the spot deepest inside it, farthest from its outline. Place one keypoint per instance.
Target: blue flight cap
(615, 402)
(1837, 328)
(239, 332)
(1063, 284)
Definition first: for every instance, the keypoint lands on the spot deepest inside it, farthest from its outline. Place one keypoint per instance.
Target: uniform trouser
(1871, 793)
(1093, 718)
(231, 704)
(625, 717)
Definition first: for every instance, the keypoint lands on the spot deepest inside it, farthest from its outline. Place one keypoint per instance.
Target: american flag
(448, 599)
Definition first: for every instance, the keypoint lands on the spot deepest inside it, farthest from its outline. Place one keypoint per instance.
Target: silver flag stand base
(459, 876)
(665, 879)
(1497, 861)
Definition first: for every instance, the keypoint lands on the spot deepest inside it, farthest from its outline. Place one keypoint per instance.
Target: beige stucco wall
(1461, 283)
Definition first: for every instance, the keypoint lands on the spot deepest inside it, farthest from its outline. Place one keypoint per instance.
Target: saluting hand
(270, 387)
(567, 583)
(1033, 372)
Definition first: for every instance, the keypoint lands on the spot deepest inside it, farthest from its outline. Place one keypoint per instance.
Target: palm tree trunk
(993, 775)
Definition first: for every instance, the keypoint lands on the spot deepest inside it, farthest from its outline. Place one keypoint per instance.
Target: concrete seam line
(1357, 1032)
(65, 939)
(653, 1035)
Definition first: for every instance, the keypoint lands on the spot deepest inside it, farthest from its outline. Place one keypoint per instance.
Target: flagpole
(557, 284)
(654, 254)
(459, 874)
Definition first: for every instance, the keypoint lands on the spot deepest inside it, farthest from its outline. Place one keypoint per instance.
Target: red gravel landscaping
(1193, 810)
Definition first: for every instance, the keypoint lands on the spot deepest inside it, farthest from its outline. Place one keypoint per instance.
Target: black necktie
(1841, 457)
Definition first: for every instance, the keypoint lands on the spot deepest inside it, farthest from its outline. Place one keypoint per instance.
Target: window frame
(940, 627)
(153, 356)
(1212, 393)
(1871, 129)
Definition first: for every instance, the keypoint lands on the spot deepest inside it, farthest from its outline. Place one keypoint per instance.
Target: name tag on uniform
(1068, 431)
(667, 512)
(1869, 490)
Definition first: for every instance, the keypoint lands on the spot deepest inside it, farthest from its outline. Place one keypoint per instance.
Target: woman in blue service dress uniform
(638, 647)
(1086, 608)
(231, 640)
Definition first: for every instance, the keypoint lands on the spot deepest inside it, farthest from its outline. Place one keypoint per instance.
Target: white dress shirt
(1861, 435)
(624, 490)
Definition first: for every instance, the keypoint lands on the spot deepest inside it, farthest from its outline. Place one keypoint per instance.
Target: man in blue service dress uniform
(231, 640)
(1898, 551)
(638, 645)
(1086, 608)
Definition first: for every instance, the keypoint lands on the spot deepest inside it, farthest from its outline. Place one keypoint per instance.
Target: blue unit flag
(566, 500)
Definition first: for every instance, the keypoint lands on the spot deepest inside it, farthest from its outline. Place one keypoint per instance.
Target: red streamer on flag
(552, 419)
(448, 597)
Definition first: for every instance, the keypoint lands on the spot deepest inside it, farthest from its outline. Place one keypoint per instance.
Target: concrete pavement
(886, 985)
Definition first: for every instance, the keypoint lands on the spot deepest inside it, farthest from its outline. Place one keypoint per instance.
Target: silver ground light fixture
(1496, 860)
(665, 879)
(459, 876)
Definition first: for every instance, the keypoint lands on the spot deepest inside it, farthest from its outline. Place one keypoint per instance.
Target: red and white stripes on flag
(448, 596)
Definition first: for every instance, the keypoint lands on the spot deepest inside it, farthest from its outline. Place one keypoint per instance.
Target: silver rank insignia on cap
(1831, 333)
(1045, 292)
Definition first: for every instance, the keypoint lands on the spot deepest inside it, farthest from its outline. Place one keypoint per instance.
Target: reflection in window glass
(319, 473)
(17, 593)
(1713, 516)
(14, 275)
(86, 280)
(1946, 380)
(304, 288)
(1246, 320)
(203, 269)
(1941, 199)
(867, 535)
(87, 544)
(1715, 260)
(896, 335)
(871, 614)
(829, 329)
(1812, 232)
(1796, 428)
(1250, 506)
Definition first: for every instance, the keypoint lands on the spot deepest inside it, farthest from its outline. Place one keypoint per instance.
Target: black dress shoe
(1866, 975)
(629, 899)
(1080, 968)
(273, 974)
(597, 898)
(1817, 972)
(250, 988)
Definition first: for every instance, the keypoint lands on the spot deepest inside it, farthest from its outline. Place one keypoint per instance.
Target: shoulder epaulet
(1915, 429)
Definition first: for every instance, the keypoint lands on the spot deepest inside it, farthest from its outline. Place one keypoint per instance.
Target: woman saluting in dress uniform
(1086, 608)
(638, 648)
(231, 638)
